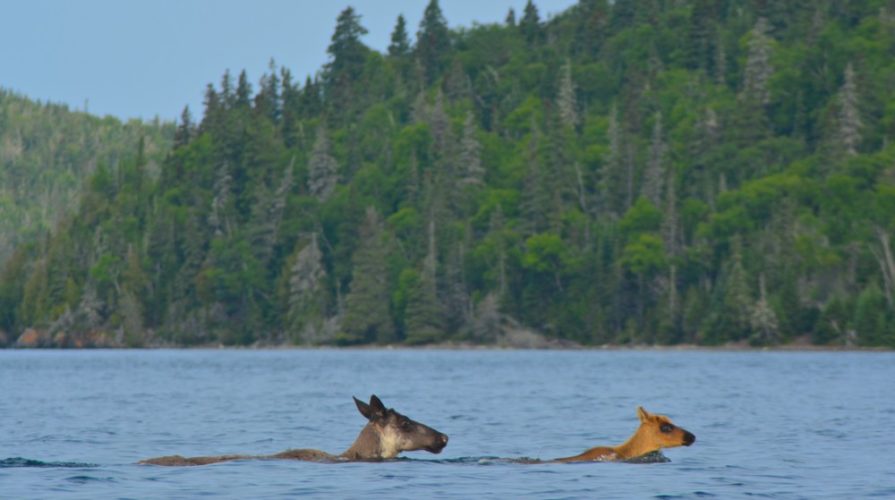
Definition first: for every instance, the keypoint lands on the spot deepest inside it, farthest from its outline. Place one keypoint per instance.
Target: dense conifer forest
(46, 153)
(627, 172)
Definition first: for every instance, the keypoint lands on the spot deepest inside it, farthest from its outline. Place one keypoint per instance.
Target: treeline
(627, 172)
(46, 153)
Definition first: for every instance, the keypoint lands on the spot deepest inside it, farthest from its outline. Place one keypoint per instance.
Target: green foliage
(685, 172)
(47, 153)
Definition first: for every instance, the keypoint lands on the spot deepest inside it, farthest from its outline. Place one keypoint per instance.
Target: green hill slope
(693, 172)
(46, 152)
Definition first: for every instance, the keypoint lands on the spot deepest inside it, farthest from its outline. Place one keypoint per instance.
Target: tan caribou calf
(655, 432)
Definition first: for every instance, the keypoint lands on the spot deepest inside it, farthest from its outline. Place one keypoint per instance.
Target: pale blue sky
(147, 58)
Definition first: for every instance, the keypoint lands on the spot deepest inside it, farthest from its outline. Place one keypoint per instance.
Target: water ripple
(14, 462)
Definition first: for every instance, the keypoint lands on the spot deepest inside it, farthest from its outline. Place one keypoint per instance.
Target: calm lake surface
(73, 424)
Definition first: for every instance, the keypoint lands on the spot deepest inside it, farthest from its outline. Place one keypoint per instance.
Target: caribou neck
(368, 445)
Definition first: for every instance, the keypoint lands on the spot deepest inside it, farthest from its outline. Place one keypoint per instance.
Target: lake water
(73, 424)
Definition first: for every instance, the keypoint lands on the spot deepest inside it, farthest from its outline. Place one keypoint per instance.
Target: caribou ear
(643, 414)
(376, 405)
(363, 408)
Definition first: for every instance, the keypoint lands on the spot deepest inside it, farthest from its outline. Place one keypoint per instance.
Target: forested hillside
(46, 153)
(629, 172)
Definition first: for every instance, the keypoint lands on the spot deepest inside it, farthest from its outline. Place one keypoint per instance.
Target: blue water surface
(74, 424)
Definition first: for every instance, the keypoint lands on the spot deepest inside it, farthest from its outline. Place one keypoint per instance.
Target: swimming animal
(386, 434)
(655, 432)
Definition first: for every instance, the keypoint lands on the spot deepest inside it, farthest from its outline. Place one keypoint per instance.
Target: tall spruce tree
(400, 42)
(306, 315)
(347, 56)
(433, 42)
(323, 170)
(530, 24)
(849, 133)
(367, 317)
(424, 317)
(566, 102)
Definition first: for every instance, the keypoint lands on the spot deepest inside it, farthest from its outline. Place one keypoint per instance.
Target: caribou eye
(666, 428)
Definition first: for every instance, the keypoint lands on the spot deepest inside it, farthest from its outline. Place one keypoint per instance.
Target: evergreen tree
(322, 167)
(347, 56)
(184, 131)
(367, 317)
(472, 171)
(243, 92)
(737, 297)
(535, 189)
(400, 42)
(763, 319)
(530, 24)
(566, 102)
(268, 101)
(755, 94)
(307, 306)
(616, 171)
(849, 114)
(701, 46)
(433, 42)
(510, 20)
(655, 173)
(424, 318)
(758, 68)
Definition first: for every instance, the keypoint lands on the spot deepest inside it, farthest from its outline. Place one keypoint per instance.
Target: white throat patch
(389, 443)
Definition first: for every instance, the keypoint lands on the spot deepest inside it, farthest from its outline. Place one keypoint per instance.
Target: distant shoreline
(449, 346)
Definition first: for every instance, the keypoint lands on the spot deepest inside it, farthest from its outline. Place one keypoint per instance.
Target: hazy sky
(147, 58)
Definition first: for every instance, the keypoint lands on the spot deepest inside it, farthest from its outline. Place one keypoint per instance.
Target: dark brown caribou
(386, 434)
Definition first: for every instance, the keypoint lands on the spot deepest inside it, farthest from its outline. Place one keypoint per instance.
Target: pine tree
(367, 317)
(615, 198)
(243, 92)
(486, 320)
(755, 95)
(530, 24)
(440, 125)
(737, 297)
(347, 56)
(457, 84)
(433, 42)
(671, 241)
(535, 203)
(701, 46)
(763, 319)
(496, 231)
(883, 255)
(219, 216)
(322, 167)
(510, 20)
(424, 318)
(400, 42)
(268, 101)
(306, 315)
(213, 111)
(758, 66)
(267, 214)
(566, 102)
(455, 296)
(849, 114)
(472, 172)
(655, 172)
(184, 131)
(345, 48)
